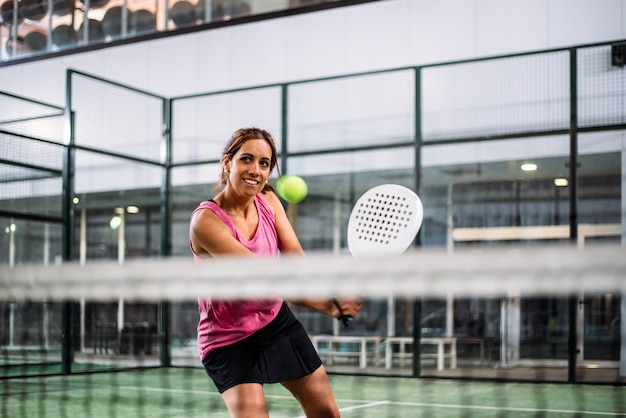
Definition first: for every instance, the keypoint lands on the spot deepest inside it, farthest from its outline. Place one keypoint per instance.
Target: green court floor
(180, 392)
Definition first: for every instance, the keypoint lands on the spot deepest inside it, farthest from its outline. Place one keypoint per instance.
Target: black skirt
(279, 351)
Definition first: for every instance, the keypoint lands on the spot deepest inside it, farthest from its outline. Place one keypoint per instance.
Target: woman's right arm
(211, 237)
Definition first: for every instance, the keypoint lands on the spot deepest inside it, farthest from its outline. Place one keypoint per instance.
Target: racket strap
(346, 319)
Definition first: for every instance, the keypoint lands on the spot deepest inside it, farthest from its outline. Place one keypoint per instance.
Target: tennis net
(524, 331)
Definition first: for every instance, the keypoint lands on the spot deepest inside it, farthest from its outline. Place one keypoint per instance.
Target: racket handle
(346, 319)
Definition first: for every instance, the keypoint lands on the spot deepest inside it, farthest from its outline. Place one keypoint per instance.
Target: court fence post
(417, 331)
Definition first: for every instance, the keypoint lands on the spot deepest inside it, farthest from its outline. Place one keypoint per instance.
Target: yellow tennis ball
(292, 188)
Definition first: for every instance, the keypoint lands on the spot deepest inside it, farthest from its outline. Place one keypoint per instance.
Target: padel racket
(383, 222)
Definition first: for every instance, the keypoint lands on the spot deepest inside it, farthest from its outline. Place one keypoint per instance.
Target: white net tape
(528, 271)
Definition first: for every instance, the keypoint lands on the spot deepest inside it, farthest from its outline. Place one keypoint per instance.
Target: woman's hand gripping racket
(383, 222)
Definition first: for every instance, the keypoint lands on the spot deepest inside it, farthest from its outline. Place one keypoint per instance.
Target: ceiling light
(115, 222)
(529, 167)
(561, 182)
(132, 209)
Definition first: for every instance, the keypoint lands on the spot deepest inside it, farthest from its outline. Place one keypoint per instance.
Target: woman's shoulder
(206, 207)
(207, 204)
(269, 198)
(211, 212)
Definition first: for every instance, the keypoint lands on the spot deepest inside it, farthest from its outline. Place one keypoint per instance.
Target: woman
(244, 344)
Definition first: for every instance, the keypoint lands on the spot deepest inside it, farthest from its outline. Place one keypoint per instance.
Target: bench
(332, 345)
(440, 355)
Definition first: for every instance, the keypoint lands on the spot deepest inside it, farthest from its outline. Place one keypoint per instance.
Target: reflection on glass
(184, 13)
(40, 26)
(602, 327)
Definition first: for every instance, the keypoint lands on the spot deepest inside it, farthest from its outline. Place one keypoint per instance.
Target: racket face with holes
(384, 221)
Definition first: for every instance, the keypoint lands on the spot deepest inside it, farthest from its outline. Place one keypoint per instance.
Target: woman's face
(249, 169)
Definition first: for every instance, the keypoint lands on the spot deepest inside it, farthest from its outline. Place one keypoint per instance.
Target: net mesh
(30, 176)
(505, 272)
(138, 128)
(22, 116)
(127, 332)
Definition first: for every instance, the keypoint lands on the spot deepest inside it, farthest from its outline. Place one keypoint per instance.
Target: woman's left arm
(288, 242)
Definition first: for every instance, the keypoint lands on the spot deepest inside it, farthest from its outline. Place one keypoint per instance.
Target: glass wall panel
(183, 340)
(475, 190)
(544, 328)
(602, 322)
(26, 241)
(30, 332)
(363, 110)
(601, 86)
(202, 125)
(117, 207)
(27, 117)
(496, 97)
(190, 186)
(600, 186)
(140, 236)
(602, 211)
(30, 337)
(476, 324)
(135, 129)
(30, 176)
(500, 193)
(30, 190)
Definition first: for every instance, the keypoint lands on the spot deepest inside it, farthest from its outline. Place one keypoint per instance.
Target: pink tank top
(226, 322)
